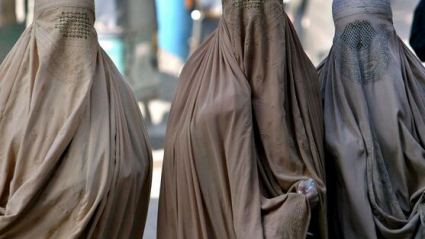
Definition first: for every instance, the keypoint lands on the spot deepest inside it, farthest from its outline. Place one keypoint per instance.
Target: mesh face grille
(74, 25)
(358, 35)
(362, 51)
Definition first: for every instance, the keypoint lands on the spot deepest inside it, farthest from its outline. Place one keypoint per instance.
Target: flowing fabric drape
(374, 99)
(75, 161)
(245, 128)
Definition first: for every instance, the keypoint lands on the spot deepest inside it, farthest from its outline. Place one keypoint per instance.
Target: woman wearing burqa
(374, 100)
(245, 134)
(75, 161)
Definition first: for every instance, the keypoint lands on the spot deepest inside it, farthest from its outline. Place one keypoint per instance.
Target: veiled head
(350, 7)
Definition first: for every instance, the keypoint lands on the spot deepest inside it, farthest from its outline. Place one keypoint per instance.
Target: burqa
(374, 104)
(75, 161)
(417, 38)
(245, 128)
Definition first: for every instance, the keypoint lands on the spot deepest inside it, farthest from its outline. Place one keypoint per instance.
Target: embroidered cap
(366, 6)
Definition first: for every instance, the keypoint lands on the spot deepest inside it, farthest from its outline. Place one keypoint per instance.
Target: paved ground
(150, 231)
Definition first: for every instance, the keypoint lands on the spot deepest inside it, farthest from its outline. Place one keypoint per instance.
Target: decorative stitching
(263, 22)
(363, 52)
(358, 35)
(342, 5)
(74, 25)
(249, 4)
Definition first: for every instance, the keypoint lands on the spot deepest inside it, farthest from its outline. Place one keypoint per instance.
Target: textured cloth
(417, 38)
(75, 161)
(374, 104)
(245, 128)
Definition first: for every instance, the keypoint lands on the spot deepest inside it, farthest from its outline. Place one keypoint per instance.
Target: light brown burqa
(245, 128)
(75, 161)
(374, 99)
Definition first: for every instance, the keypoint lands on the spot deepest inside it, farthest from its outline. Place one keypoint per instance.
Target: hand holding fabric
(309, 188)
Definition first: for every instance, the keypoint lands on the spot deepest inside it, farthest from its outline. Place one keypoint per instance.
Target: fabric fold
(372, 88)
(245, 128)
(75, 160)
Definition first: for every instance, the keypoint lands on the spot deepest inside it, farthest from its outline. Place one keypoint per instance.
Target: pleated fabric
(75, 161)
(245, 128)
(374, 99)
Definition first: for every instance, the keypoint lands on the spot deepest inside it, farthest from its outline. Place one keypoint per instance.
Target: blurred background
(150, 40)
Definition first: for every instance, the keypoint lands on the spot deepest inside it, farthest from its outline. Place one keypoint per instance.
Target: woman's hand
(309, 188)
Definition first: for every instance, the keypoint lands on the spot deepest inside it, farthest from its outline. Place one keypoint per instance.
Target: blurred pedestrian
(373, 91)
(417, 38)
(210, 13)
(10, 28)
(306, 14)
(75, 161)
(7, 12)
(244, 151)
(299, 16)
(139, 19)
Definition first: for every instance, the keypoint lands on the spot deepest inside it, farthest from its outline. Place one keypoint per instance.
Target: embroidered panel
(362, 52)
(74, 25)
(249, 4)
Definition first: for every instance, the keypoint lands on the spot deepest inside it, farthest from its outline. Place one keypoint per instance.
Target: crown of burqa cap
(366, 6)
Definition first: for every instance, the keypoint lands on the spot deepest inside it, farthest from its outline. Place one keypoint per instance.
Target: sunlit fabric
(245, 128)
(374, 105)
(75, 161)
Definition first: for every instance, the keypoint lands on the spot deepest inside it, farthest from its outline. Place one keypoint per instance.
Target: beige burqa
(374, 100)
(75, 161)
(245, 128)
